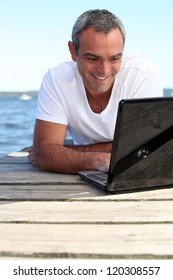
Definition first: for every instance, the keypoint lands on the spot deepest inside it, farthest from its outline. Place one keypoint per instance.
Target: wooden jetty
(48, 215)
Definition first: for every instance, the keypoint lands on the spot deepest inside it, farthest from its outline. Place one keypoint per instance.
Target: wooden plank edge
(97, 199)
(28, 222)
(4, 254)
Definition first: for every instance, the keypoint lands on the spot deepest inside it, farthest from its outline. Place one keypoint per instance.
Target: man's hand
(31, 155)
(103, 162)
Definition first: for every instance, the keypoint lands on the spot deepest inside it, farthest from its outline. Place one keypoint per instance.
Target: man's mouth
(100, 78)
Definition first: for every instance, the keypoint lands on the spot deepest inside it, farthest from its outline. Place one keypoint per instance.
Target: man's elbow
(40, 160)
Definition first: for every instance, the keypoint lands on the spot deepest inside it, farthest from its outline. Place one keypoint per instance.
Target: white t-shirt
(62, 98)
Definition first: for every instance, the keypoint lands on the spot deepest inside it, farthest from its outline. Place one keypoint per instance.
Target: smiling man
(82, 96)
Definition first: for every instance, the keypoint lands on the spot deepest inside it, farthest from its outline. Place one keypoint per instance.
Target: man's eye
(114, 59)
(92, 59)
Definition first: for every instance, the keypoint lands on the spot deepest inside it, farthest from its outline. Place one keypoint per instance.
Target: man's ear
(72, 51)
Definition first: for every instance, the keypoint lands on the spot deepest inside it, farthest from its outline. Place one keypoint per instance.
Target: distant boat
(25, 97)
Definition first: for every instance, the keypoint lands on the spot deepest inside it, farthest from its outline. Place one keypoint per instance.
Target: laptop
(142, 150)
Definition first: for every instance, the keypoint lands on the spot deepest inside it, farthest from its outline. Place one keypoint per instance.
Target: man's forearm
(61, 159)
(105, 147)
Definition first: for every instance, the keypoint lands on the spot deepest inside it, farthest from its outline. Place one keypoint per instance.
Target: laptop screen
(143, 126)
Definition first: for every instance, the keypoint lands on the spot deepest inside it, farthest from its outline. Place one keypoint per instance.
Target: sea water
(17, 118)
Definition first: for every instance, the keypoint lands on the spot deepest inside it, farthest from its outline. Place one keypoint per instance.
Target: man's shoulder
(63, 68)
(138, 61)
(62, 77)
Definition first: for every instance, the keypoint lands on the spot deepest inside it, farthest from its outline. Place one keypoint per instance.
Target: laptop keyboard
(99, 176)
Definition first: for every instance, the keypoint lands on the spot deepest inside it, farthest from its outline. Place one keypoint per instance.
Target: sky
(34, 36)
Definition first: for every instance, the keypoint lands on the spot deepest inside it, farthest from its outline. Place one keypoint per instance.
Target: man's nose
(103, 67)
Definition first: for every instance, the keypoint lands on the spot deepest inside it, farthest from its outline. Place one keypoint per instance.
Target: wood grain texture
(88, 212)
(46, 215)
(87, 240)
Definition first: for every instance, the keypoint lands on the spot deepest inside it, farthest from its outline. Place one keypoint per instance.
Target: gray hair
(100, 20)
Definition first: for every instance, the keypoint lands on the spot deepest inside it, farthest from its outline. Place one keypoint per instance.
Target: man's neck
(98, 102)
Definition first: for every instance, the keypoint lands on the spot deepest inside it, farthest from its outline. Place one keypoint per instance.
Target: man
(82, 96)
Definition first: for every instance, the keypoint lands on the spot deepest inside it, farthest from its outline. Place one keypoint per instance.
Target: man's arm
(49, 154)
(99, 147)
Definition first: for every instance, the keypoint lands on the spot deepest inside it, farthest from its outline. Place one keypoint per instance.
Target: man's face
(99, 59)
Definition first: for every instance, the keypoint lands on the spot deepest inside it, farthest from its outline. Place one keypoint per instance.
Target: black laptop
(142, 152)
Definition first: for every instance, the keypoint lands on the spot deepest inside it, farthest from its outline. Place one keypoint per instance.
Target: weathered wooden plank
(49, 192)
(157, 194)
(27, 174)
(70, 191)
(87, 240)
(88, 212)
(20, 180)
(92, 223)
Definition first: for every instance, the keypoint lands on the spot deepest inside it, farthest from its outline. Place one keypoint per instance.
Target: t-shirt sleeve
(49, 106)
